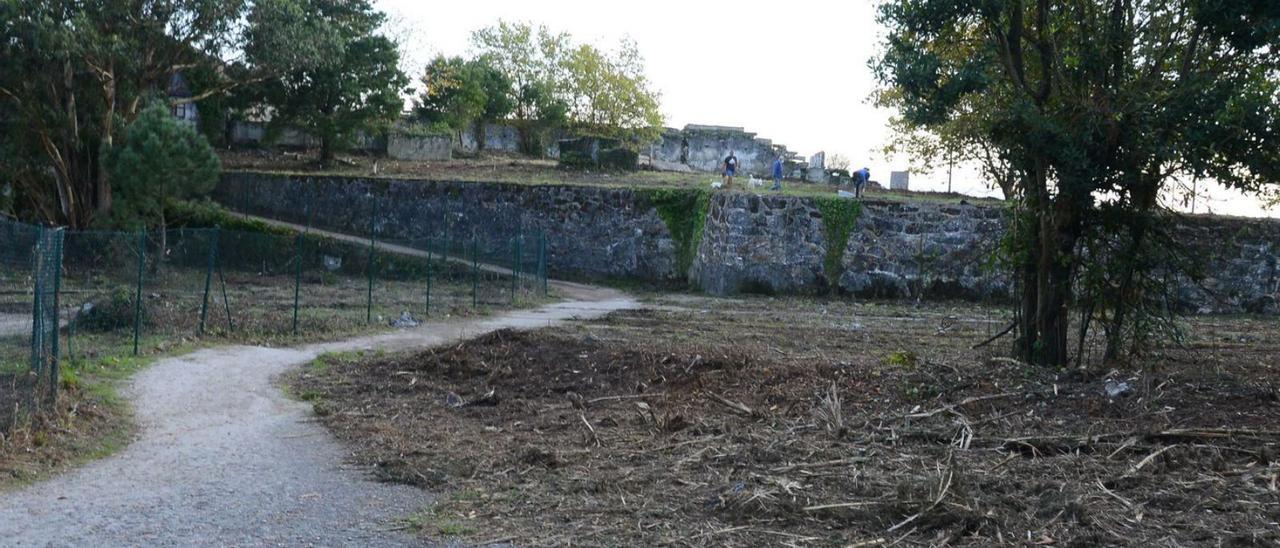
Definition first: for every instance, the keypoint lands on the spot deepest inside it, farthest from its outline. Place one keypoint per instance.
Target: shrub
(619, 159)
(108, 313)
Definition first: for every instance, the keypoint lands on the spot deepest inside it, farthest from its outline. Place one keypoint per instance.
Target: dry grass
(766, 422)
(523, 170)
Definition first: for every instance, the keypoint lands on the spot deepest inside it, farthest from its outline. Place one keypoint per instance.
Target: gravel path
(224, 459)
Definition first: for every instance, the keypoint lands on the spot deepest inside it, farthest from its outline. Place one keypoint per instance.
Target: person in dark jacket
(730, 169)
(860, 179)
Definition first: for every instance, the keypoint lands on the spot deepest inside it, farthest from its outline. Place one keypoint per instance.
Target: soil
(764, 422)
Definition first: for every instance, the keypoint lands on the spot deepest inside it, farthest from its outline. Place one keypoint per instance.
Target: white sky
(794, 72)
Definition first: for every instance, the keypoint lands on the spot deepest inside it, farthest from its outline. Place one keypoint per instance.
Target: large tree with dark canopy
(73, 74)
(357, 87)
(1097, 105)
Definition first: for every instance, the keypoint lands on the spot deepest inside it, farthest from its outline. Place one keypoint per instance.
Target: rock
(405, 320)
(454, 400)
(1117, 389)
(331, 263)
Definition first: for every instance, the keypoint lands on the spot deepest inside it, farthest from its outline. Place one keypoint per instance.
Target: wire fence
(87, 296)
(30, 261)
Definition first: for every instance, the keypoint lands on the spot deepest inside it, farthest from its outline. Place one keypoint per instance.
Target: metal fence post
(57, 290)
(428, 277)
(542, 243)
(226, 303)
(475, 273)
(35, 303)
(515, 266)
(297, 279)
(297, 257)
(208, 278)
(137, 297)
(368, 305)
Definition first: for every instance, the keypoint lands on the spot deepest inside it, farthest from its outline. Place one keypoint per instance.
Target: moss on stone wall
(684, 211)
(839, 215)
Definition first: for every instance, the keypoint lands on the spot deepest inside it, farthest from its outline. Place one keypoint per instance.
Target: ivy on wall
(839, 215)
(684, 211)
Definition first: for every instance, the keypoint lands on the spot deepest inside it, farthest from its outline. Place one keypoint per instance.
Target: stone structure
(422, 148)
(899, 180)
(592, 232)
(749, 242)
(768, 243)
(254, 133)
(703, 148)
(817, 171)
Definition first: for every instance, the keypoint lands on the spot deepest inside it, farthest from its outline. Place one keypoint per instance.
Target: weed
(903, 359)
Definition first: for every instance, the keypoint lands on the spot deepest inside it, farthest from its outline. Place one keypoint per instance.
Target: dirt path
(380, 246)
(14, 324)
(224, 458)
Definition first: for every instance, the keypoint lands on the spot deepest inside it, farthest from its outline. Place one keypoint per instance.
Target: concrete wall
(708, 146)
(422, 148)
(255, 134)
(750, 242)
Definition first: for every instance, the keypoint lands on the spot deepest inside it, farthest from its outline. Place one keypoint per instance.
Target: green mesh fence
(30, 268)
(122, 293)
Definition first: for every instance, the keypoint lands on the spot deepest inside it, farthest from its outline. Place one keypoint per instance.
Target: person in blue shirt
(860, 179)
(777, 174)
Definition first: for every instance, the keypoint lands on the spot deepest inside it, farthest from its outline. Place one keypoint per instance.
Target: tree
(1095, 105)
(358, 88)
(463, 94)
(838, 161)
(608, 93)
(555, 80)
(158, 161)
(76, 72)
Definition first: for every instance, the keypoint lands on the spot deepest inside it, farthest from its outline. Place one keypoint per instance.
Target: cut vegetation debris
(770, 422)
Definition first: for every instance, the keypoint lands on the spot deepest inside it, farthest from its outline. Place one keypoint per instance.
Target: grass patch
(92, 420)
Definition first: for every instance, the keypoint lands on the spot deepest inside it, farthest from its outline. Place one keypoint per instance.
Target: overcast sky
(795, 73)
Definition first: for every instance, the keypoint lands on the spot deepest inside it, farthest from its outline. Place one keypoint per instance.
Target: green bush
(839, 215)
(109, 313)
(684, 211)
(618, 159)
(573, 159)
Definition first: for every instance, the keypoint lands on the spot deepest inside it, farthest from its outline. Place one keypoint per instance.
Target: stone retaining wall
(591, 232)
(754, 243)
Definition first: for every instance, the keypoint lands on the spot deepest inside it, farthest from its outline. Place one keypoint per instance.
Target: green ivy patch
(839, 215)
(684, 211)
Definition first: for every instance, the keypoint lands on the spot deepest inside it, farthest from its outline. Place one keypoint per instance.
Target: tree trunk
(1028, 331)
(1145, 198)
(102, 196)
(1057, 262)
(1050, 230)
(326, 150)
(480, 136)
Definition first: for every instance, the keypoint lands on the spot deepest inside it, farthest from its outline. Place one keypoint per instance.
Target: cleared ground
(765, 422)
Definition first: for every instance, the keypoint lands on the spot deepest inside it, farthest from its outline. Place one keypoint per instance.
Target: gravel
(224, 458)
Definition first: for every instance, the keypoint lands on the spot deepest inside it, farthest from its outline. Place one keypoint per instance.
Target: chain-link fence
(148, 292)
(30, 268)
